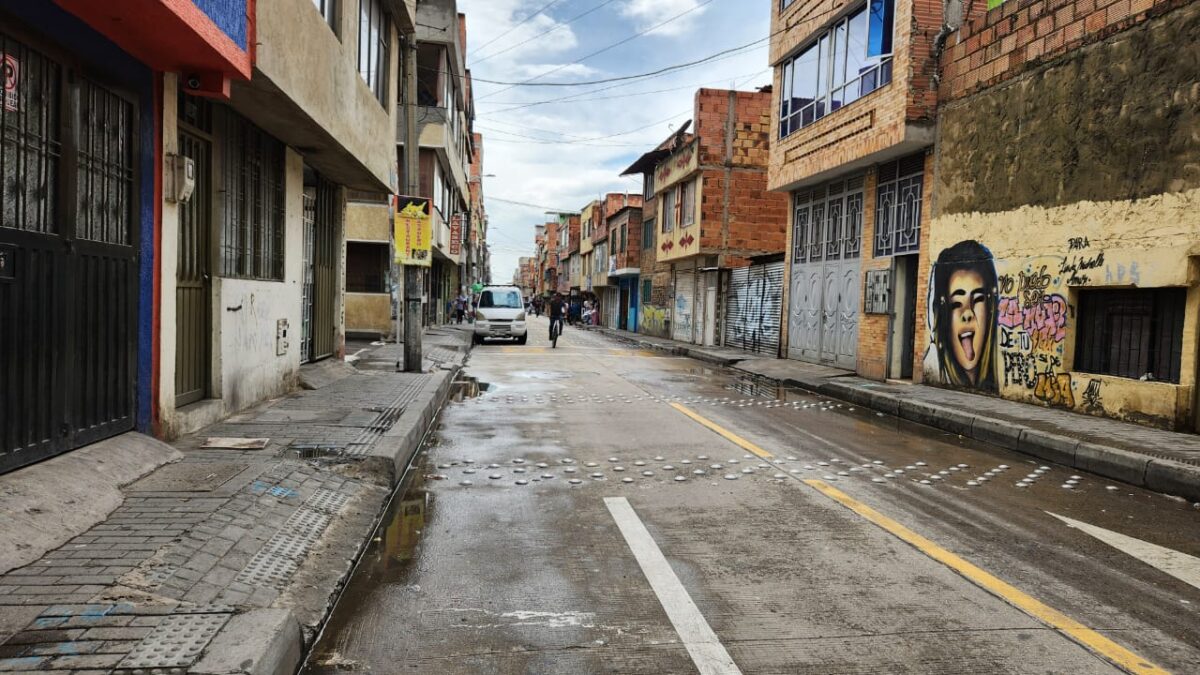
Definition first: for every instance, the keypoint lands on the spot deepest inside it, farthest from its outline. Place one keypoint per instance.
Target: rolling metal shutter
(685, 305)
(753, 305)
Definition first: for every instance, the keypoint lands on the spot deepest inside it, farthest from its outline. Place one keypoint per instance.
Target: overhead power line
(544, 209)
(530, 82)
(543, 33)
(524, 21)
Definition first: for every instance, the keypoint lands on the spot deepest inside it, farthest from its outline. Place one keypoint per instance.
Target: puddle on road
(387, 562)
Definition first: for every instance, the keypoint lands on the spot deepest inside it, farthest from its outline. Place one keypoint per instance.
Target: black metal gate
(193, 301)
(322, 268)
(68, 265)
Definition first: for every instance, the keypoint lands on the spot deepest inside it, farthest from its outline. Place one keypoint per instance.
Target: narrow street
(601, 509)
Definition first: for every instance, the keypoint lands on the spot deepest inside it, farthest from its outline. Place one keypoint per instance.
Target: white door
(710, 309)
(684, 310)
(826, 264)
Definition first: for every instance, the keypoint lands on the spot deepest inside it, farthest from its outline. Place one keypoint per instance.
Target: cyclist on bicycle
(558, 312)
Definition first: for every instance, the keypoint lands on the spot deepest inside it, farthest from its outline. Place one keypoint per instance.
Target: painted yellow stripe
(727, 434)
(1078, 632)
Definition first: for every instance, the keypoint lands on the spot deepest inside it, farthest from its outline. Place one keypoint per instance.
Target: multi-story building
(445, 115)
(204, 217)
(475, 265)
(851, 145)
(624, 263)
(714, 212)
(1061, 255)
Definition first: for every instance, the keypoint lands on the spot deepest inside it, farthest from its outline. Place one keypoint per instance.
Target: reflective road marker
(702, 644)
(728, 435)
(1182, 566)
(1078, 632)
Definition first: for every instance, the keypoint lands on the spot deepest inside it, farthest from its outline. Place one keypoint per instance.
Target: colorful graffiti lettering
(1054, 389)
(1045, 320)
(654, 320)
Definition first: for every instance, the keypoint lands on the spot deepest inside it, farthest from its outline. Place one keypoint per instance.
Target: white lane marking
(702, 644)
(1182, 566)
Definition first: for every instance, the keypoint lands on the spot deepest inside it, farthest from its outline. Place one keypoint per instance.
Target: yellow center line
(1078, 632)
(728, 435)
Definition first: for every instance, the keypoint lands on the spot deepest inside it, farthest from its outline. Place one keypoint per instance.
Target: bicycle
(555, 331)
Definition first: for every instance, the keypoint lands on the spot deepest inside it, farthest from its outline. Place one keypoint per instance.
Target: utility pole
(413, 284)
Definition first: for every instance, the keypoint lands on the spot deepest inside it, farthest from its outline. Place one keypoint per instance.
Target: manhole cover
(189, 477)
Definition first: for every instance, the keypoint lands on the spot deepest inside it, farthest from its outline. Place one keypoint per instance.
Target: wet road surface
(600, 509)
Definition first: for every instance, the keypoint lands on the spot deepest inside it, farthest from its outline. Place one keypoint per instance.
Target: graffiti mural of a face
(964, 315)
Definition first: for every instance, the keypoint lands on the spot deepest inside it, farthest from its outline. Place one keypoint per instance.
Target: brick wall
(995, 45)
(902, 111)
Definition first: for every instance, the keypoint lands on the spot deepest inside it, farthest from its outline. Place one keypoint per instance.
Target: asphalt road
(815, 547)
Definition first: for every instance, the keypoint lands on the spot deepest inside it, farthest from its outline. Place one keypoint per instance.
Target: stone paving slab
(271, 530)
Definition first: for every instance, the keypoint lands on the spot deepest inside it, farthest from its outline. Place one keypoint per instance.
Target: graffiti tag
(1074, 267)
(1078, 243)
(1055, 389)
(1091, 396)
(1045, 320)
(1033, 286)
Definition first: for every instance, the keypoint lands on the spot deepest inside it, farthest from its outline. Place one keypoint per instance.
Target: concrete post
(412, 273)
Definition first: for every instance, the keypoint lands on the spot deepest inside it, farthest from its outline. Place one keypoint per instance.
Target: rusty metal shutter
(753, 303)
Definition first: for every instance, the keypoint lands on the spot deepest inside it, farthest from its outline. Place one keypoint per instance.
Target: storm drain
(176, 642)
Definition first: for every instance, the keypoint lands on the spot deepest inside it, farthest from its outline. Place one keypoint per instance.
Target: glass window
(668, 209)
(373, 47)
(648, 235)
(367, 267)
(1133, 333)
(851, 59)
(688, 207)
(328, 10)
(500, 299)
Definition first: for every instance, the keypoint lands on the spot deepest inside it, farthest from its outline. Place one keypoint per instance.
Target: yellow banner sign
(413, 231)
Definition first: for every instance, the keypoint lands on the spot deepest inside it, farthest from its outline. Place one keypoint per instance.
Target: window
(647, 286)
(252, 235)
(328, 10)
(500, 299)
(850, 60)
(648, 235)
(898, 205)
(688, 206)
(373, 58)
(648, 185)
(668, 209)
(784, 4)
(624, 236)
(439, 189)
(1131, 333)
(366, 267)
(827, 221)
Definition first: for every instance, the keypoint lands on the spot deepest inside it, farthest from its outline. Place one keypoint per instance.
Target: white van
(500, 313)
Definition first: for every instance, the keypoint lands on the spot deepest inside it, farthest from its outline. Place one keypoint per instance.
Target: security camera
(193, 82)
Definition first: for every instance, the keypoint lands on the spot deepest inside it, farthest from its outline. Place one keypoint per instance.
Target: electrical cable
(524, 21)
(614, 45)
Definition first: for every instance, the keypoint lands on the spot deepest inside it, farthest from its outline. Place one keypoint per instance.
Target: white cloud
(653, 12)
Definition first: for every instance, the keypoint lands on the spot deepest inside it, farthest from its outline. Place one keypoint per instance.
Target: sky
(562, 155)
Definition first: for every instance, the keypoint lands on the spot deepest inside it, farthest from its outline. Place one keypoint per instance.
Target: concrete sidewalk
(201, 557)
(1164, 461)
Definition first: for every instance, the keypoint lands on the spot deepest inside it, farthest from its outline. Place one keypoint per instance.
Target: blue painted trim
(229, 16)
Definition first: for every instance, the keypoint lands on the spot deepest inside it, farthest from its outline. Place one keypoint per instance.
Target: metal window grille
(898, 206)
(30, 143)
(1136, 333)
(827, 221)
(252, 232)
(105, 163)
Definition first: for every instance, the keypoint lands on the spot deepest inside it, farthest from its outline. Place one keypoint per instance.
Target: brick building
(713, 210)
(1080, 220)
(852, 132)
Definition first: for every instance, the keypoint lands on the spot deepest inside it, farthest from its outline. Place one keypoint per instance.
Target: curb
(283, 648)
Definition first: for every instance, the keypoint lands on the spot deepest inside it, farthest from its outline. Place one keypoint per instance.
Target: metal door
(193, 297)
(309, 216)
(752, 308)
(826, 263)
(325, 255)
(68, 269)
(623, 307)
(685, 293)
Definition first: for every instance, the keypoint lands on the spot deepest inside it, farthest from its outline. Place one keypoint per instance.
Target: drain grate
(176, 642)
(189, 477)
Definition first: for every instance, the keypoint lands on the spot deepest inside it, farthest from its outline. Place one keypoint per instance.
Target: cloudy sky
(563, 154)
